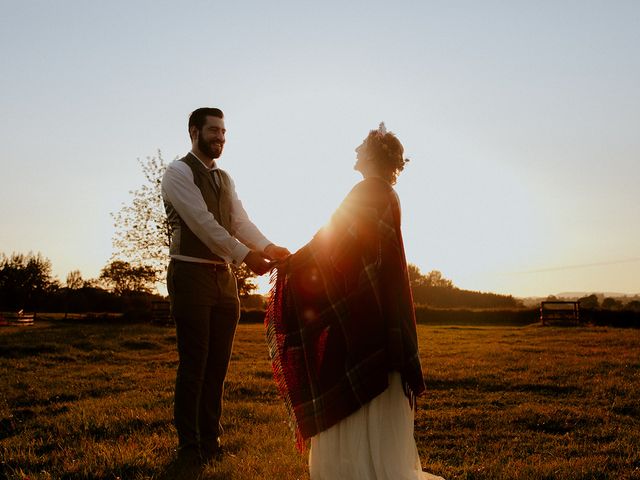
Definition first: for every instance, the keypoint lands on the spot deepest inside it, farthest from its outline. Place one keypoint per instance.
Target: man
(210, 230)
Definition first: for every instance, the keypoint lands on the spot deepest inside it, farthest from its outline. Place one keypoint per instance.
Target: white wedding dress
(374, 443)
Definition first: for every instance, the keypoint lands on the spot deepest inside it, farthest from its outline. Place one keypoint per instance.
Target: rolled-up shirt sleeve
(185, 197)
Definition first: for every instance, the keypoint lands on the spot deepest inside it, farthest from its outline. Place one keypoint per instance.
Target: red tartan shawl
(340, 315)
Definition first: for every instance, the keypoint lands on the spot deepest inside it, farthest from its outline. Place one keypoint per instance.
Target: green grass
(95, 402)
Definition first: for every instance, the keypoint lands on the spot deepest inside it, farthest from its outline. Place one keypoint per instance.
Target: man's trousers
(206, 310)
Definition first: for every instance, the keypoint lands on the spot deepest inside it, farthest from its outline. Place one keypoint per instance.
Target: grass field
(95, 402)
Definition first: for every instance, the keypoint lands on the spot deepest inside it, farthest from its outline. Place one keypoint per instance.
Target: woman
(342, 334)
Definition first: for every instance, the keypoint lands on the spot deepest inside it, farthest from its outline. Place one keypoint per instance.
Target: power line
(583, 265)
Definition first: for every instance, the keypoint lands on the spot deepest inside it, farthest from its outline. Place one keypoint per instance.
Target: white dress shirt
(179, 190)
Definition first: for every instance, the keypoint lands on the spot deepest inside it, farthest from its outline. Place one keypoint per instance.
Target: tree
(589, 302)
(142, 232)
(633, 305)
(610, 303)
(124, 278)
(416, 279)
(74, 280)
(91, 283)
(245, 279)
(437, 291)
(24, 279)
(433, 279)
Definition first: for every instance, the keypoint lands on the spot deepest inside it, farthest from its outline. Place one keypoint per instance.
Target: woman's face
(362, 164)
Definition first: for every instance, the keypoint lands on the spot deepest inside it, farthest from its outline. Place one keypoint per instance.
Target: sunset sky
(521, 120)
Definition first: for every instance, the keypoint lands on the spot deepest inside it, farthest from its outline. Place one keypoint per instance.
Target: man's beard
(210, 149)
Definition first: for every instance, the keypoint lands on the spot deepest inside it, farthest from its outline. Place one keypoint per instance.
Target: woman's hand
(275, 252)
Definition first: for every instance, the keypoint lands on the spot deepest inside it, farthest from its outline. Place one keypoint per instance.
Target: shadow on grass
(488, 386)
(179, 469)
(21, 351)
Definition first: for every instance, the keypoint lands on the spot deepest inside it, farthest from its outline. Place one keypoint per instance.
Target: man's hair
(199, 116)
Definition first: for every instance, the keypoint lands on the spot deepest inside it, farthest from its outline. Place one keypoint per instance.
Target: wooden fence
(17, 318)
(560, 312)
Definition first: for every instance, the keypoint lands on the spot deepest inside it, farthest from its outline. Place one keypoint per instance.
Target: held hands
(257, 261)
(275, 252)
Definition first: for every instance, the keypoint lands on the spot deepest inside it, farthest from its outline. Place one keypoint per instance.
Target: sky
(520, 119)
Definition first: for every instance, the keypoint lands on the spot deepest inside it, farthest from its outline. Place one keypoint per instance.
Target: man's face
(210, 139)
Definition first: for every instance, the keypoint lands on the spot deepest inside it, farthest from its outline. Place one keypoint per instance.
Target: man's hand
(275, 252)
(256, 263)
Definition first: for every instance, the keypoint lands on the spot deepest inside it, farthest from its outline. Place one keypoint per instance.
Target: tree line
(26, 283)
(601, 302)
(434, 290)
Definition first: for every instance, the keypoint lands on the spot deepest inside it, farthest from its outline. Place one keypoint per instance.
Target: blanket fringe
(275, 306)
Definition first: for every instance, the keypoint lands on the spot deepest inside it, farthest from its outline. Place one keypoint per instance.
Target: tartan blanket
(340, 314)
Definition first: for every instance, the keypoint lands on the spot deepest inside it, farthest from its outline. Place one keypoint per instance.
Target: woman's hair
(385, 152)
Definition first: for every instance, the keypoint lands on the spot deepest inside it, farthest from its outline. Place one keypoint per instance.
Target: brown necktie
(215, 176)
